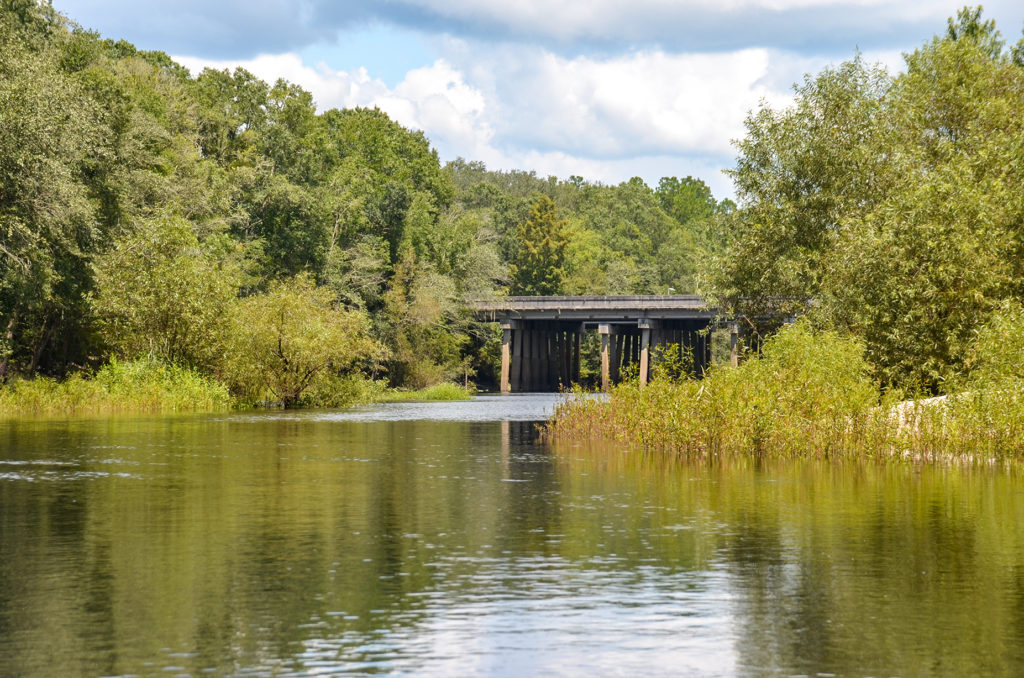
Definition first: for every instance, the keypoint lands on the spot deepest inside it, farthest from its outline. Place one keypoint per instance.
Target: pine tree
(538, 265)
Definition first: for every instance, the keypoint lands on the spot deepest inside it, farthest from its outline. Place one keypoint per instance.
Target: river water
(443, 539)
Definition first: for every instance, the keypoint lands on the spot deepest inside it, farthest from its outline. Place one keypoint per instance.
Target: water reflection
(319, 543)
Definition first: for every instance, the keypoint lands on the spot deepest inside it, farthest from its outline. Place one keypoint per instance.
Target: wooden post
(648, 329)
(527, 378)
(617, 341)
(516, 376)
(705, 344)
(506, 357)
(605, 330)
(627, 351)
(568, 358)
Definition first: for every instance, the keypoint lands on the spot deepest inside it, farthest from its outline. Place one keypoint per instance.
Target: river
(444, 539)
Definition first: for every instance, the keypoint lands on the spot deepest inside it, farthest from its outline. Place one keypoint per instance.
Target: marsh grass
(438, 392)
(346, 391)
(148, 386)
(139, 386)
(808, 395)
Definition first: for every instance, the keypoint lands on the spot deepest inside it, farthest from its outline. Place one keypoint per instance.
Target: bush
(293, 339)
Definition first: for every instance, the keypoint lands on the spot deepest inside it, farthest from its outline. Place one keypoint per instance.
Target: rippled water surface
(444, 539)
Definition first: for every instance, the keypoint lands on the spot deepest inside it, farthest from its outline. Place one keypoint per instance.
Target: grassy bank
(808, 395)
(139, 386)
(147, 386)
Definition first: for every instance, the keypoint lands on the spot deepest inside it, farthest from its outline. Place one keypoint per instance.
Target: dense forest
(220, 223)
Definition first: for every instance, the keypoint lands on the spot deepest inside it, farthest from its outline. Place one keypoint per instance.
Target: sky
(603, 89)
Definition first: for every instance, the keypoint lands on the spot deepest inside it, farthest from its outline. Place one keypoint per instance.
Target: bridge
(540, 342)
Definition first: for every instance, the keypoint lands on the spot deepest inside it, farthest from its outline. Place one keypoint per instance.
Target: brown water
(441, 539)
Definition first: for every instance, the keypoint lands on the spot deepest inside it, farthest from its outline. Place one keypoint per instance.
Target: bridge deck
(595, 309)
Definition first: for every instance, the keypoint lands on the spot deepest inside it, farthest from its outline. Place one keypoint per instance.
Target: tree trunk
(5, 364)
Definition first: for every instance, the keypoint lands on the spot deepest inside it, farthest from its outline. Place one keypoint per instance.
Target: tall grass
(355, 389)
(139, 386)
(439, 392)
(807, 395)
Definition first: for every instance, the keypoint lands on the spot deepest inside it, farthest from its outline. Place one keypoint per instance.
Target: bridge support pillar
(511, 356)
(646, 325)
(605, 330)
(506, 357)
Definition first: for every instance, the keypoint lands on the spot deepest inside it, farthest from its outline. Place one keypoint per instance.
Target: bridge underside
(542, 337)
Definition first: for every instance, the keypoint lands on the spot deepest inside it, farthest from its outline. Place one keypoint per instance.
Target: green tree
(48, 228)
(161, 292)
(800, 172)
(686, 199)
(292, 338)
(538, 264)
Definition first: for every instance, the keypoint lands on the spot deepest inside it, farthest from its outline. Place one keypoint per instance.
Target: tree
(48, 227)
(686, 199)
(800, 172)
(538, 265)
(287, 340)
(161, 292)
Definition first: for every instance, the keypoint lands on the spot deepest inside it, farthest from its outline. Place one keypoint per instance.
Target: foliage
(161, 292)
(888, 207)
(538, 265)
(291, 339)
(438, 392)
(422, 315)
(808, 394)
(996, 358)
(48, 133)
(140, 386)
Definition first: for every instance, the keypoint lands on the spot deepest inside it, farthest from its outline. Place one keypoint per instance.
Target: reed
(138, 386)
(439, 392)
(350, 390)
(808, 395)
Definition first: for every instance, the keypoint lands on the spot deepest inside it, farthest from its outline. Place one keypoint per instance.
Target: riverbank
(808, 396)
(151, 387)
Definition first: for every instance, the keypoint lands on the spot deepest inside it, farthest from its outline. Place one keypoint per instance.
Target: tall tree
(538, 265)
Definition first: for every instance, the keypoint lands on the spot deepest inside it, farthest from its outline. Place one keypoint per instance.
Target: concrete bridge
(540, 344)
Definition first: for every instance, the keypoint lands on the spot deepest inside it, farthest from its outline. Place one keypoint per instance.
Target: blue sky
(605, 89)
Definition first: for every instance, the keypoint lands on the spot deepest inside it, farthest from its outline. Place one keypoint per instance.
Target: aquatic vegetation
(807, 395)
(438, 392)
(138, 386)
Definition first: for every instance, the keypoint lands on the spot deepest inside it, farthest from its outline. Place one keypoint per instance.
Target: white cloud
(643, 103)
